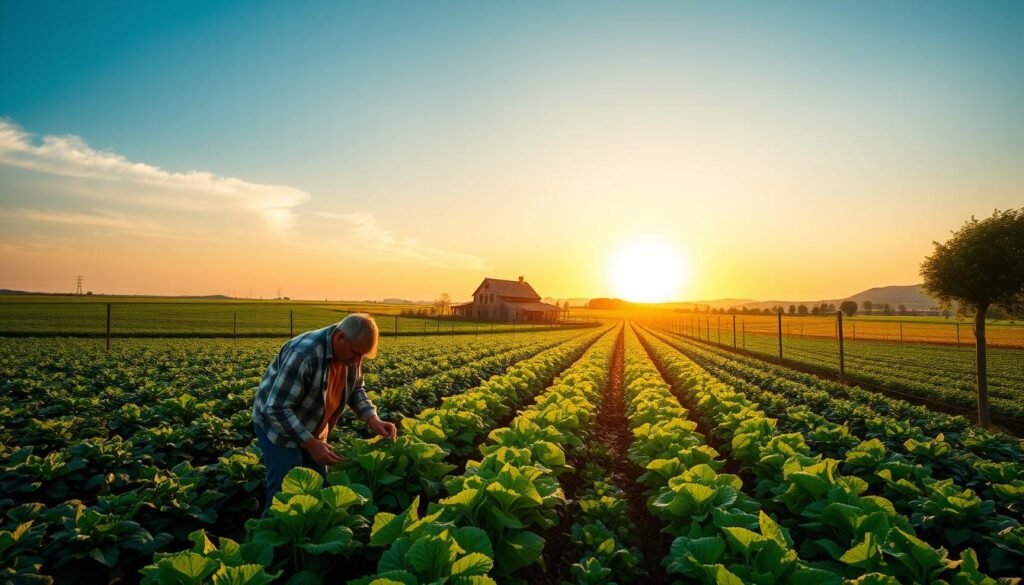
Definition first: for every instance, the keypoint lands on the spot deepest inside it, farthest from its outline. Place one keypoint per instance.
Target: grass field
(134, 316)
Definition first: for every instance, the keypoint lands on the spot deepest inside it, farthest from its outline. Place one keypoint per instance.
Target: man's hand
(384, 429)
(321, 452)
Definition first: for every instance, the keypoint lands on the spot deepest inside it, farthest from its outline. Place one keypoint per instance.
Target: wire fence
(224, 319)
(931, 361)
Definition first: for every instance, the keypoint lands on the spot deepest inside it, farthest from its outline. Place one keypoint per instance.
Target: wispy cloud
(136, 197)
(105, 221)
(360, 233)
(70, 156)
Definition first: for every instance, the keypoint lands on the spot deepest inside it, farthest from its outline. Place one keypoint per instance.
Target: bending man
(305, 390)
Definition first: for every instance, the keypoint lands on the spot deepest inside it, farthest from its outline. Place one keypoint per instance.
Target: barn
(509, 301)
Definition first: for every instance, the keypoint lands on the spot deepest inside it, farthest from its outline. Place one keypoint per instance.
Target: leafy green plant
(396, 471)
(228, 564)
(307, 524)
(429, 550)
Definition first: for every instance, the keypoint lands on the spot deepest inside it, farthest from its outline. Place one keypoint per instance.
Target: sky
(786, 150)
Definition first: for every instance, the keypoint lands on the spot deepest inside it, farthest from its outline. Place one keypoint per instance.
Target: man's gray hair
(361, 330)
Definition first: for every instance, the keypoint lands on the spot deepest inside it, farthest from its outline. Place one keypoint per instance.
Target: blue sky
(516, 137)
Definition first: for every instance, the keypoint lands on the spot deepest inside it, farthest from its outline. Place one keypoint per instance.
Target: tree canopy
(981, 265)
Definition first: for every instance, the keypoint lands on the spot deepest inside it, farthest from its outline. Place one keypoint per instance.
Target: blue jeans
(279, 461)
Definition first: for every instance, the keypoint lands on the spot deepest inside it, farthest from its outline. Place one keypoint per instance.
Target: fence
(224, 319)
(900, 357)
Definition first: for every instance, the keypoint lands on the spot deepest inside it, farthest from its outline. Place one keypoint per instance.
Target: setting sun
(646, 270)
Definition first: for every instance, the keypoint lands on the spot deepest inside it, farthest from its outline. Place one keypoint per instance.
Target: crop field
(618, 454)
(940, 374)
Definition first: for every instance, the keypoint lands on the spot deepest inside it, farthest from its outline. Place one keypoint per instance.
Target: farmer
(305, 390)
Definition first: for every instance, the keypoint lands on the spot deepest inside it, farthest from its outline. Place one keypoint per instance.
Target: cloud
(70, 156)
(209, 205)
(105, 221)
(361, 234)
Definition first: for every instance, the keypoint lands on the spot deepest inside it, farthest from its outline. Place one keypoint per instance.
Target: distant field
(133, 316)
(932, 330)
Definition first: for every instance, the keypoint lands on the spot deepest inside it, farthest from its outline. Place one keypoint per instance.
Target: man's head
(355, 337)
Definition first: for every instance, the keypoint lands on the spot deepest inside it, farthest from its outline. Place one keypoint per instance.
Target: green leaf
(430, 556)
(724, 577)
(865, 555)
(518, 550)
(472, 564)
(462, 501)
(340, 497)
(503, 520)
(190, 567)
(549, 454)
(474, 540)
(301, 480)
(743, 538)
(334, 541)
(244, 575)
(771, 529)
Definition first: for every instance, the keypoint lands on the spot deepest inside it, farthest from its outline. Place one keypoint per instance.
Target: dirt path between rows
(612, 430)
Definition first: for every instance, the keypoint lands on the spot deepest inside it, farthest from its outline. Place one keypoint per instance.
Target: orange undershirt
(335, 390)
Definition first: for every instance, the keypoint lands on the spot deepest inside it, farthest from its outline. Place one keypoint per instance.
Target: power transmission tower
(78, 285)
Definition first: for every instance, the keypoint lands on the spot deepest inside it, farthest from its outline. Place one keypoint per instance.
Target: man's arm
(286, 393)
(360, 403)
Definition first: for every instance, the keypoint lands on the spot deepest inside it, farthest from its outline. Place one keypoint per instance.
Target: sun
(646, 270)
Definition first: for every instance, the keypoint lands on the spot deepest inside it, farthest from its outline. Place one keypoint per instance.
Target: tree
(868, 306)
(887, 309)
(901, 309)
(792, 309)
(442, 304)
(981, 266)
(849, 308)
(801, 310)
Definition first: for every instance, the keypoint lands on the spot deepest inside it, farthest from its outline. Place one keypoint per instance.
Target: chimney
(520, 280)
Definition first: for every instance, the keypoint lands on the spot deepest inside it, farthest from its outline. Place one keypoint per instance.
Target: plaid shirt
(292, 396)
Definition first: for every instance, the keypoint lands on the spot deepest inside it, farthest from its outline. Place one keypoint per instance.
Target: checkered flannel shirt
(291, 398)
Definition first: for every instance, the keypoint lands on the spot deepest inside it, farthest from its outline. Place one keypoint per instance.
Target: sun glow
(647, 270)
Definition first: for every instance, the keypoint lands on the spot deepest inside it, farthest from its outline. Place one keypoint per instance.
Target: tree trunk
(979, 335)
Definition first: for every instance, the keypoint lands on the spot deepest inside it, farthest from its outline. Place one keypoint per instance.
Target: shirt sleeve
(360, 403)
(286, 394)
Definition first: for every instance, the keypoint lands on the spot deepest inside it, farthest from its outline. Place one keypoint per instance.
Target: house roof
(508, 288)
(533, 307)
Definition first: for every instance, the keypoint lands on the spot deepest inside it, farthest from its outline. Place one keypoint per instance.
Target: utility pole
(78, 285)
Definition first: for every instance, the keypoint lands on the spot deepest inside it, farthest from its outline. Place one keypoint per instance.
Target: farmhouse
(507, 300)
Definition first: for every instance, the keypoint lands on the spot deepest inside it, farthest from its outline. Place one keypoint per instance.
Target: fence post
(707, 327)
(108, 326)
(779, 314)
(842, 357)
(291, 323)
(719, 331)
(743, 325)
